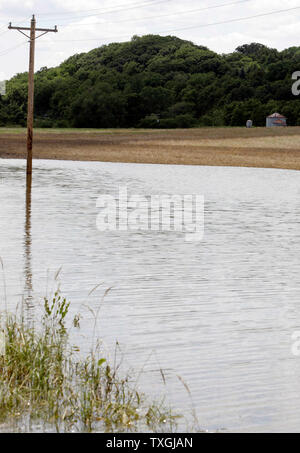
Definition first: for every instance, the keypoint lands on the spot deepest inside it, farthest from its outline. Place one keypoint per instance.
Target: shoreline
(237, 147)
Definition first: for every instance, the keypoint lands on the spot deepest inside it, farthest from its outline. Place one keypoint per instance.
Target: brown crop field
(257, 147)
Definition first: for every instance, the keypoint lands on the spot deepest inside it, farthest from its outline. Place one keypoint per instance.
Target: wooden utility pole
(32, 38)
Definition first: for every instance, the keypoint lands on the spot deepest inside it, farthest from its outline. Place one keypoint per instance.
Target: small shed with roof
(276, 120)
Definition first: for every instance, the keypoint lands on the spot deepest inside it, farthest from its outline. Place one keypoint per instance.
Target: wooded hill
(155, 81)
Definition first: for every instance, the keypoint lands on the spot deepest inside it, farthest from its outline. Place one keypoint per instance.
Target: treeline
(155, 81)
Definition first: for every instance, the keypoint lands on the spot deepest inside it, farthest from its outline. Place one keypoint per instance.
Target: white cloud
(80, 32)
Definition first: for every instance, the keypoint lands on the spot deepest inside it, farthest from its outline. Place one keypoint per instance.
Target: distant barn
(276, 120)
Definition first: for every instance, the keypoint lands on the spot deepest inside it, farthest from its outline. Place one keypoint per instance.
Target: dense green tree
(155, 81)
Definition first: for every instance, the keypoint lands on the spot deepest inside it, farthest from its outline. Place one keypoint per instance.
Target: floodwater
(219, 313)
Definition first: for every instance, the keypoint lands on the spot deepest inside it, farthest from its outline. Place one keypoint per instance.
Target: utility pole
(32, 29)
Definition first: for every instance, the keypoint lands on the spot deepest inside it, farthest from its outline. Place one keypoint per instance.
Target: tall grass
(43, 378)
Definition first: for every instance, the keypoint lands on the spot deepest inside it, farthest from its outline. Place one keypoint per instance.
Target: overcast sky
(86, 24)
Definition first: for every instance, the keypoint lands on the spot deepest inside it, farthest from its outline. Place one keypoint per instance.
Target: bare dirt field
(257, 147)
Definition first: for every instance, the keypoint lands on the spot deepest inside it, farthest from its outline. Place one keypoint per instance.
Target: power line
(162, 15)
(3, 33)
(190, 27)
(6, 51)
(234, 20)
(127, 8)
(19, 23)
(10, 49)
(84, 10)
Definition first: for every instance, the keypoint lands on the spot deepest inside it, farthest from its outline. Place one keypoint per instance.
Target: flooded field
(219, 313)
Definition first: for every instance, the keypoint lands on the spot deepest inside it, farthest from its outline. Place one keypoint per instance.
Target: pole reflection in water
(27, 242)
